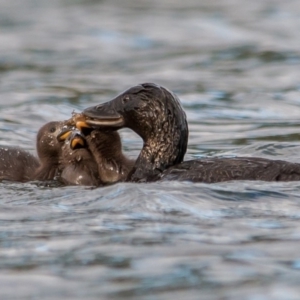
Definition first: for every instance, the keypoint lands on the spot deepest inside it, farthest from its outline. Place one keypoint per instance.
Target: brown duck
(156, 115)
(106, 148)
(60, 157)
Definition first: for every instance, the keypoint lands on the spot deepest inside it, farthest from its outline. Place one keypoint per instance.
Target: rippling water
(235, 64)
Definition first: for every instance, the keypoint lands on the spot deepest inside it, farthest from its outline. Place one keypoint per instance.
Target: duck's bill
(81, 125)
(98, 123)
(102, 116)
(104, 122)
(77, 142)
(64, 134)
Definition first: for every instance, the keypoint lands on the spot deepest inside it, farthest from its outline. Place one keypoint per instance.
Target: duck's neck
(46, 171)
(114, 170)
(160, 151)
(106, 148)
(165, 136)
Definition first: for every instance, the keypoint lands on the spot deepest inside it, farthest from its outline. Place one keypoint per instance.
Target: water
(236, 67)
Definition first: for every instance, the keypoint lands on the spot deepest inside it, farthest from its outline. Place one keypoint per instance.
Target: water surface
(235, 66)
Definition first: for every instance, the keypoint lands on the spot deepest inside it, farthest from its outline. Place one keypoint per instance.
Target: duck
(76, 164)
(106, 148)
(49, 150)
(61, 156)
(156, 115)
(64, 157)
(161, 123)
(17, 164)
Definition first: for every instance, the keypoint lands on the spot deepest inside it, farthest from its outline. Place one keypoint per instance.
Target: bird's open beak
(77, 141)
(64, 134)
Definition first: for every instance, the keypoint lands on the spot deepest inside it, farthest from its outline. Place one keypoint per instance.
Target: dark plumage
(64, 156)
(57, 159)
(49, 150)
(17, 164)
(106, 148)
(77, 165)
(211, 170)
(157, 116)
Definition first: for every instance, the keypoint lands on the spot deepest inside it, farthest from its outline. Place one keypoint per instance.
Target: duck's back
(17, 164)
(212, 170)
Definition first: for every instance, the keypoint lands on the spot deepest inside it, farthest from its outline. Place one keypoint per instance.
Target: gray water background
(235, 65)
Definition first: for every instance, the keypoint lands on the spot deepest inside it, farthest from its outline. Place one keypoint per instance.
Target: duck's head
(48, 144)
(152, 112)
(77, 166)
(55, 137)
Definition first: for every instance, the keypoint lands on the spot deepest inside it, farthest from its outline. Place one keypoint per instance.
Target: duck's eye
(52, 129)
(126, 99)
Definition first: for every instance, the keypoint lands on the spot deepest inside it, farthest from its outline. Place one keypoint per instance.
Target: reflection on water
(235, 66)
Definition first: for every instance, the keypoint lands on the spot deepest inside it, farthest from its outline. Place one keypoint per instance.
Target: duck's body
(211, 170)
(77, 165)
(106, 148)
(17, 164)
(157, 116)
